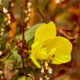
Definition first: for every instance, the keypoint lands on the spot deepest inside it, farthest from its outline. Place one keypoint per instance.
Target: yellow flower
(48, 46)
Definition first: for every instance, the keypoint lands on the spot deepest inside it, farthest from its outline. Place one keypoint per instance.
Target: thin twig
(23, 65)
(40, 13)
(68, 37)
(44, 20)
(32, 76)
(23, 37)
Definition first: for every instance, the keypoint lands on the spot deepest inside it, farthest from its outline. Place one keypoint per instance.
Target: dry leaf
(12, 29)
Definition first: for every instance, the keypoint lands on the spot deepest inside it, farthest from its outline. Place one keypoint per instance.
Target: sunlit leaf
(30, 33)
(23, 78)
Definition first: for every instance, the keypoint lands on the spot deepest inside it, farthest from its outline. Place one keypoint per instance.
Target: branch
(23, 37)
(68, 37)
(44, 20)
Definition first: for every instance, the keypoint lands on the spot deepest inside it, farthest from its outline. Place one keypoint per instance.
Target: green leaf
(29, 78)
(1, 19)
(2, 41)
(23, 78)
(27, 69)
(30, 33)
(5, 3)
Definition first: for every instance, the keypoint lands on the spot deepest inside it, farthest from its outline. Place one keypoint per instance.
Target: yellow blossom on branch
(48, 46)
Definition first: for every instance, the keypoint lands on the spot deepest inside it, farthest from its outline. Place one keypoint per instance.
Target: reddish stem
(22, 57)
(23, 37)
(23, 47)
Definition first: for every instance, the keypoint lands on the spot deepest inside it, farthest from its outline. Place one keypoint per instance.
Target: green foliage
(5, 3)
(23, 78)
(29, 34)
(1, 19)
(28, 69)
(2, 41)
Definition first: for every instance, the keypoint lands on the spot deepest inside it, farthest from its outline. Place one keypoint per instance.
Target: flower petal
(45, 31)
(33, 54)
(63, 50)
(35, 62)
